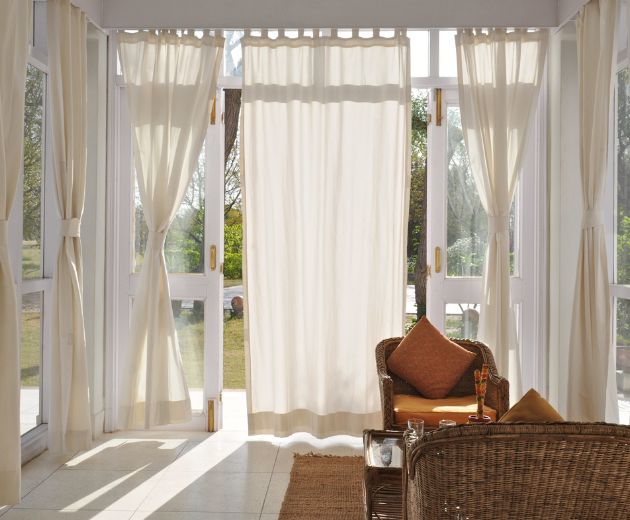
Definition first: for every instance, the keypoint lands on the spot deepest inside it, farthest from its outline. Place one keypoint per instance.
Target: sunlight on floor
(171, 475)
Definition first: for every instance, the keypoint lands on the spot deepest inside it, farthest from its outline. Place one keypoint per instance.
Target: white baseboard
(34, 443)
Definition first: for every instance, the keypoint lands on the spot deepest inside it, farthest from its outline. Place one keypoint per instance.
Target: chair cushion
(429, 361)
(532, 408)
(434, 410)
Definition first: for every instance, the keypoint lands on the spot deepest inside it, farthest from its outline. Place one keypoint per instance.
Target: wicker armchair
(550, 471)
(497, 392)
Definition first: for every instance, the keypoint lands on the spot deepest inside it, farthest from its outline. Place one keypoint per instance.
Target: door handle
(213, 258)
(438, 259)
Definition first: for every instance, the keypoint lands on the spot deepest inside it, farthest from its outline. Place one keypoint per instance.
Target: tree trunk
(232, 116)
(420, 270)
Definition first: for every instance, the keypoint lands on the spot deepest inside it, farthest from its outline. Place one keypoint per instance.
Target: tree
(33, 119)
(417, 224)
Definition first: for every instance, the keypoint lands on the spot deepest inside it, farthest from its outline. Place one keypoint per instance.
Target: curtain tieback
(156, 240)
(592, 218)
(70, 228)
(496, 224)
(4, 233)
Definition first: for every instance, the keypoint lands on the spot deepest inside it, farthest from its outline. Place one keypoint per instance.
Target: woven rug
(324, 487)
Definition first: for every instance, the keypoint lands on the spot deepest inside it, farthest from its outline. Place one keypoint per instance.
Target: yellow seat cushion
(432, 411)
(532, 408)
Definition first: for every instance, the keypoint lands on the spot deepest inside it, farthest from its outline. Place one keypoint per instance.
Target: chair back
(466, 384)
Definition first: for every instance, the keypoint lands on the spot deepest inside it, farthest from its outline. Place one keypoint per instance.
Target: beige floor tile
(255, 457)
(195, 515)
(275, 494)
(94, 490)
(40, 468)
(4, 509)
(208, 491)
(269, 516)
(47, 514)
(129, 455)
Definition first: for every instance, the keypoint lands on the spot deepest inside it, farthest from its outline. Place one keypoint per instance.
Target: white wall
(130, 14)
(565, 203)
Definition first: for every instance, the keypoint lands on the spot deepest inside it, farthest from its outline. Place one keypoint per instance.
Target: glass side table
(382, 475)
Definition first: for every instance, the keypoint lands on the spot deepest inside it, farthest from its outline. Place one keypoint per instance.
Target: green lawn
(31, 260)
(232, 283)
(190, 334)
(31, 334)
(233, 353)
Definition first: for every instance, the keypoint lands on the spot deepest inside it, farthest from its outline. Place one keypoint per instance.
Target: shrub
(233, 265)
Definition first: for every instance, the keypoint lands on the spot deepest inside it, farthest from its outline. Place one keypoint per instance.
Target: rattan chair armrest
(498, 394)
(387, 400)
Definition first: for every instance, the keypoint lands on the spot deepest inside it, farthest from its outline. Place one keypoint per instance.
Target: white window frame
(35, 440)
(610, 201)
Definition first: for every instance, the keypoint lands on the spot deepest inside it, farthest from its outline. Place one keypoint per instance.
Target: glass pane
(462, 320)
(386, 451)
(30, 357)
(623, 359)
(32, 209)
(623, 179)
(417, 223)
(184, 247)
(448, 57)
(233, 324)
(419, 53)
(189, 323)
(466, 220)
(233, 53)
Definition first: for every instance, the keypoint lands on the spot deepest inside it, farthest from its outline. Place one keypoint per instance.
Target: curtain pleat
(325, 163)
(69, 427)
(499, 78)
(170, 82)
(15, 28)
(590, 338)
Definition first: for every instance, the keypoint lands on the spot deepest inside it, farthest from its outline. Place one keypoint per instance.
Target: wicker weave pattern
(497, 393)
(548, 471)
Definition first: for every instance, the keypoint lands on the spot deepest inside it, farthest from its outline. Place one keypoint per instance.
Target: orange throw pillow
(532, 408)
(430, 361)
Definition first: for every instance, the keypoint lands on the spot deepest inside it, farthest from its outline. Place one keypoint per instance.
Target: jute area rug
(324, 487)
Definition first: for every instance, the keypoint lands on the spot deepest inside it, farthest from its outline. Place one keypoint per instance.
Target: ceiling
(294, 14)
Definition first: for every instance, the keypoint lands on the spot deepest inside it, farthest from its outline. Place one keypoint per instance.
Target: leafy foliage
(32, 209)
(623, 204)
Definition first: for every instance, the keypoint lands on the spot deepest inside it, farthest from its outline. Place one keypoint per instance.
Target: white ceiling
(232, 14)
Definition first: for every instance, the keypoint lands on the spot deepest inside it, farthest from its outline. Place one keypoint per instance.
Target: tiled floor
(170, 475)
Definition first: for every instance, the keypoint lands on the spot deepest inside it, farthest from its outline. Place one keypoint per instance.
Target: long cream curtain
(170, 82)
(590, 339)
(499, 77)
(69, 426)
(325, 161)
(14, 38)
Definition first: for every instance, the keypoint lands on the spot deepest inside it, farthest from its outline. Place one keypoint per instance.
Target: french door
(193, 252)
(457, 236)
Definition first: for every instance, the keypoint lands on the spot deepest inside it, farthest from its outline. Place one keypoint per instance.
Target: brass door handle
(213, 258)
(438, 259)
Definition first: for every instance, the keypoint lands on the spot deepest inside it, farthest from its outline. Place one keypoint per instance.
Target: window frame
(35, 440)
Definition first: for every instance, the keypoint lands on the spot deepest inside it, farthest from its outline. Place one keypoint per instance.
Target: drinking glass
(417, 425)
(447, 423)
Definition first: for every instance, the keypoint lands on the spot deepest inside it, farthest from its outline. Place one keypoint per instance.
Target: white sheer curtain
(499, 77)
(15, 29)
(69, 427)
(590, 344)
(325, 160)
(170, 82)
